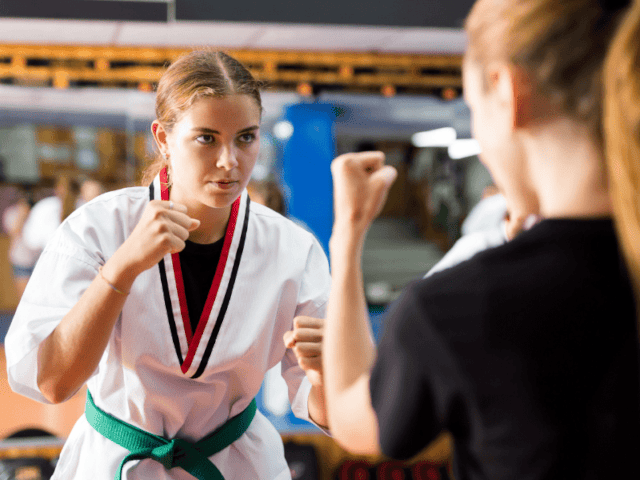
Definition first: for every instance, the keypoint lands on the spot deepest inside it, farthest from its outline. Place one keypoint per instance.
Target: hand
(161, 230)
(361, 182)
(515, 224)
(306, 341)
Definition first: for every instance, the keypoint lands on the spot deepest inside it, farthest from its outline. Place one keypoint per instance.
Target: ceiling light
(463, 148)
(283, 130)
(440, 137)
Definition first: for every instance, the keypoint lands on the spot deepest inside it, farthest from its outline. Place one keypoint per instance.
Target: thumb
(383, 178)
(195, 223)
(288, 339)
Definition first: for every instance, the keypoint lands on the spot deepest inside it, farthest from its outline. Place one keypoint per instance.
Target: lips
(223, 181)
(224, 184)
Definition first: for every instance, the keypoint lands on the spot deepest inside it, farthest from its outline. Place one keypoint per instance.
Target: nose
(227, 159)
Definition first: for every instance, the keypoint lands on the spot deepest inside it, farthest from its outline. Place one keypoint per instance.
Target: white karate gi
(42, 222)
(148, 375)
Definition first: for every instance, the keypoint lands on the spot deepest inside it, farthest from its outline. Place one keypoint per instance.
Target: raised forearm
(348, 334)
(349, 350)
(71, 353)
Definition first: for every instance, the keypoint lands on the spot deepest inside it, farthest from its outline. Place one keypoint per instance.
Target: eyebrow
(210, 130)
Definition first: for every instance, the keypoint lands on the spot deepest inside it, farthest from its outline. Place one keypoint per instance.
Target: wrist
(119, 273)
(346, 238)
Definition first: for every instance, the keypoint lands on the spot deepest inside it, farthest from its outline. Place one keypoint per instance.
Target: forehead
(231, 110)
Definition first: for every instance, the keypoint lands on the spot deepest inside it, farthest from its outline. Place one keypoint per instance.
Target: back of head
(198, 74)
(583, 56)
(67, 190)
(560, 44)
(622, 136)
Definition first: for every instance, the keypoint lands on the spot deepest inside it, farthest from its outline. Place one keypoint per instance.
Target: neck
(568, 170)
(213, 221)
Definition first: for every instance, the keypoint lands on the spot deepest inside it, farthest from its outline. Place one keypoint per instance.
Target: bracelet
(110, 284)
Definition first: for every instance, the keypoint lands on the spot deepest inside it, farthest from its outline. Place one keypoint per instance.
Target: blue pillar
(306, 160)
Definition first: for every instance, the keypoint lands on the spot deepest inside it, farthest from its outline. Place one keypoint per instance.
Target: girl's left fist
(306, 341)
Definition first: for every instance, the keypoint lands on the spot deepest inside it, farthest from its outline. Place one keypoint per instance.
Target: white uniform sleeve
(42, 222)
(468, 245)
(62, 274)
(312, 301)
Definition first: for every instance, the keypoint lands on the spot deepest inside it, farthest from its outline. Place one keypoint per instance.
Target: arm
(361, 182)
(14, 228)
(349, 351)
(71, 353)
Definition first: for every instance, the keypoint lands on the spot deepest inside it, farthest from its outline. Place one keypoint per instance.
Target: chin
(220, 201)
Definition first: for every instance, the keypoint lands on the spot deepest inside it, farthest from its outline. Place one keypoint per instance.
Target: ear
(513, 91)
(522, 98)
(160, 136)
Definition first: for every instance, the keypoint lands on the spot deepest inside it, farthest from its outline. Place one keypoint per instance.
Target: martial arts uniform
(158, 375)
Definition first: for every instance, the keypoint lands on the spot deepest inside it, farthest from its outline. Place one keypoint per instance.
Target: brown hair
(561, 44)
(269, 192)
(198, 74)
(69, 190)
(622, 137)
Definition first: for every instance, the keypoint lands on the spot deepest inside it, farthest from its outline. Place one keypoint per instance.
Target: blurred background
(76, 100)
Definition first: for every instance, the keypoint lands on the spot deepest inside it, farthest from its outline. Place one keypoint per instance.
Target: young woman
(21, 257)
(47, 214)
(527, 353)
(171, 301)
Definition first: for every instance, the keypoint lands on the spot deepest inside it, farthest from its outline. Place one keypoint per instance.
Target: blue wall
(305, 166)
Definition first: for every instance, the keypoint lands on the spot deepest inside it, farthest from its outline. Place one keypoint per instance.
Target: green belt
(192, 457)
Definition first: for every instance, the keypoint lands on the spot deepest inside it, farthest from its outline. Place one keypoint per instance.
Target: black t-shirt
(527, 353)
(198, 263)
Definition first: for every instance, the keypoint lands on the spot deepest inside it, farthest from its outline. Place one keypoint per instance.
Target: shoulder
(468, 246)
(286, 228)
(104, 222)
(114, 203)
(46, 205)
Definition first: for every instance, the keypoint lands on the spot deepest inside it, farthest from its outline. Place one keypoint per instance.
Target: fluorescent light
(463, 148)
(440, 137)
(283, 130)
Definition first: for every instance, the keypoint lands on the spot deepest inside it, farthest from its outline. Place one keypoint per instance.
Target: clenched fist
(306, 341)
(361, 182)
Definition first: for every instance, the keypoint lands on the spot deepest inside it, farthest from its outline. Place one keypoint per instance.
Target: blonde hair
(198, 74)
(561, 44)
(622, 137)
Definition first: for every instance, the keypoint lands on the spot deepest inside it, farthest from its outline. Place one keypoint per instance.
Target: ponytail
(621, 124)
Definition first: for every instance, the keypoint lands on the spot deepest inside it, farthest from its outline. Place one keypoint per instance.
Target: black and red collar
(194, 348)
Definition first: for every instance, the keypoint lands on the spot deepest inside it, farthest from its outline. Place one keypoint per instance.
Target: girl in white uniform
(107, 303)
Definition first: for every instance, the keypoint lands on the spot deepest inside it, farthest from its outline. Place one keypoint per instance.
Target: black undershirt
(199, 263)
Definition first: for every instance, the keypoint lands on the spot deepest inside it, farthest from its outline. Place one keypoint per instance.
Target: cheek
(249, 158)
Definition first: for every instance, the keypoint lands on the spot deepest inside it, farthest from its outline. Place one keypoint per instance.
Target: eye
(247, 137)
(205, 139)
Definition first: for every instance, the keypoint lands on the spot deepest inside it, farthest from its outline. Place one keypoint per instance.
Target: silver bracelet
(110, 284)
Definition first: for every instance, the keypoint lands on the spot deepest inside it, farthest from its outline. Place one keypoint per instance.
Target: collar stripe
(177, 271)
(213, 292)
(227, 297)
(167, 297)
